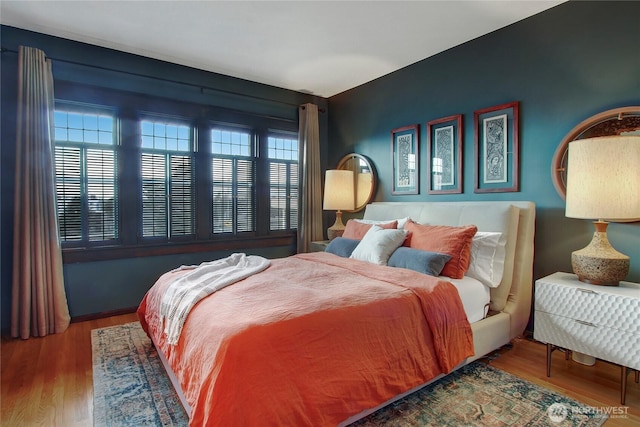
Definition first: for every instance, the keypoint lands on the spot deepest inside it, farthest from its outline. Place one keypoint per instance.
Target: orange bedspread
(312, 340)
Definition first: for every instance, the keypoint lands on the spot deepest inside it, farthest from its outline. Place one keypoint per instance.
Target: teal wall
(105, 286)
(102, 286)
(563, 66)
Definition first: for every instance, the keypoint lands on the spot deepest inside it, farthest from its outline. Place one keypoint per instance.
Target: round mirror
(364, 178)
(619, 121)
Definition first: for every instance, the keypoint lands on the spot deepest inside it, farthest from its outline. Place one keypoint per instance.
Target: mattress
(474, 295)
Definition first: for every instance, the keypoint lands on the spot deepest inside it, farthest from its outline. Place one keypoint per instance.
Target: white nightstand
(600, 321)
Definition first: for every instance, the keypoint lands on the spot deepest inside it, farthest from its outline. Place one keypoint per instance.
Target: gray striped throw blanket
(204, 279)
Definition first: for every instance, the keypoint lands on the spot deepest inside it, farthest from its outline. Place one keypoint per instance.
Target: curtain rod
(201, 87)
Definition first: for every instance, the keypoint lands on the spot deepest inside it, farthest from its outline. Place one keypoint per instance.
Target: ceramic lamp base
(599, 263)
(337, 228)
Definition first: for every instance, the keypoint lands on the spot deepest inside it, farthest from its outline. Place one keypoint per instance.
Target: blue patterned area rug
(131, 388)
(130, 385)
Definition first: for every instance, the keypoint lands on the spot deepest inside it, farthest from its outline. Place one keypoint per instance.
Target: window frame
(130, 109)
(252, 157)
(168, 155)
(85, 240)
(274, 133)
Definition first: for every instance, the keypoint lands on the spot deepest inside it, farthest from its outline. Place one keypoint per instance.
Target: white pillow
(378, 244)
(487, 258)
(401, 221)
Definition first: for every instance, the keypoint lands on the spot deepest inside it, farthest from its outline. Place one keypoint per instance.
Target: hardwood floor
(48, 381)
(597, 386)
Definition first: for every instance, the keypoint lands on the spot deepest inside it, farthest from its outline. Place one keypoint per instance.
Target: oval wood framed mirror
(618, 121)
(365, 178)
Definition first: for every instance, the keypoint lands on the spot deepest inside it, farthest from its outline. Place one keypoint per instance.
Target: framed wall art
(404, 154)
(496, 149)
(444, 147)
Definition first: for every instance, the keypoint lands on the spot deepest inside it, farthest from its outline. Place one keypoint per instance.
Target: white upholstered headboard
(516, 219)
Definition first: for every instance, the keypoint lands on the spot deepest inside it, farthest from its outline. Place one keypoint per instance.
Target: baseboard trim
(103, 314)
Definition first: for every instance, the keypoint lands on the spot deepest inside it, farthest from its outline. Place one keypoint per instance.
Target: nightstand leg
(623, 385)
(549, 350)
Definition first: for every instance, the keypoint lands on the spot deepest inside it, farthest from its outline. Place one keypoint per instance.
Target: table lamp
(339, 194)
(603, 183)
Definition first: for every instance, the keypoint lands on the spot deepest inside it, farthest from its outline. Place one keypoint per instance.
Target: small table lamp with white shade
(603, 183)
(339, 195)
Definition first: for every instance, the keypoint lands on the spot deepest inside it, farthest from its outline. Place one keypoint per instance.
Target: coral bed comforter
(312, 340)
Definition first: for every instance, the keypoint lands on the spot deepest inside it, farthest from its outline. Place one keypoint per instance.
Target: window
(283, 182)
(233, 176)
(167, 179)
(143, 176)
(86, 173)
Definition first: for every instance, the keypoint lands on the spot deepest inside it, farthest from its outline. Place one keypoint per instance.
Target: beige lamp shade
(603, 178)
(339, 192)
(603, 183)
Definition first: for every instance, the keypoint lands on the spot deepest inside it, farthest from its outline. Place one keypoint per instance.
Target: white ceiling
(320, 47)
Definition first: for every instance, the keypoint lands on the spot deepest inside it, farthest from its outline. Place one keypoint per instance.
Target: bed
(319, 339)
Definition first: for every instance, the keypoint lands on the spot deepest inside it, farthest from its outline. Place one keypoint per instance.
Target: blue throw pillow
(426, 262)
(342, 246)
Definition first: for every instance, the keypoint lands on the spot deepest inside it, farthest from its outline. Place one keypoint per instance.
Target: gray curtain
(39, 303)
(310, 216)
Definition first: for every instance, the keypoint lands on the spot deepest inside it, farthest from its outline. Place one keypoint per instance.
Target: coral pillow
(454, 241)
(356, 230)
(401, 221)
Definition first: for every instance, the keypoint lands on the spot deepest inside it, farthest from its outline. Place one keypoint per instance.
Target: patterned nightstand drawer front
(566, 301)
(600, 321)
(616, 308)
(614, 345)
